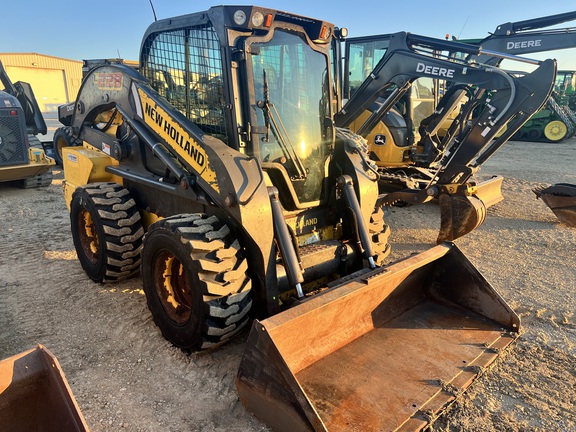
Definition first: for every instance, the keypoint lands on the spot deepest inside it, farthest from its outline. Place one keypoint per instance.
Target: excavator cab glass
(292, 94)
(362, 56)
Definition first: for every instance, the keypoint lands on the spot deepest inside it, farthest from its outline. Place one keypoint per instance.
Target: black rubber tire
(194, 277)
(63, 138)
(380, 233)
(107, 231)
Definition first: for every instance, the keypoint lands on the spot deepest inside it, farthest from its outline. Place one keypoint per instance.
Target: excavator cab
(394, 139)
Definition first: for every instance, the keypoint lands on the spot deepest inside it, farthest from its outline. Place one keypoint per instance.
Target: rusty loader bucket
(561, 199)
(34, 395)
(386, 350)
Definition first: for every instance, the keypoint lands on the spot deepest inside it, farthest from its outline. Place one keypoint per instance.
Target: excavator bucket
(34, 395)
(561, 198)
(386, 349)
(460, 214)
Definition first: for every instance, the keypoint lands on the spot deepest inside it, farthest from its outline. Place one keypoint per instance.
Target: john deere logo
(380, 139)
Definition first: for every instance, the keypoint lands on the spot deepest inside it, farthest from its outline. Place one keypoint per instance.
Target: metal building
(55, 80)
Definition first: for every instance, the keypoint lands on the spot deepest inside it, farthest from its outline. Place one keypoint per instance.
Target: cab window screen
(185, 67)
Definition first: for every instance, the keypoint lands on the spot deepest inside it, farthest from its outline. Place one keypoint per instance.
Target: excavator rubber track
(388, 350)
(561, 199)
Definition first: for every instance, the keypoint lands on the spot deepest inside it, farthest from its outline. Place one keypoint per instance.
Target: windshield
(292, 94)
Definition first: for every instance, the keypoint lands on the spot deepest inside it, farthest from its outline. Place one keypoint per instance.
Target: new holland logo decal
(178, 138)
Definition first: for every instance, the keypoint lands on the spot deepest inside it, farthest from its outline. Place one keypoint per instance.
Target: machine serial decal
(175, 135)
(108, 80)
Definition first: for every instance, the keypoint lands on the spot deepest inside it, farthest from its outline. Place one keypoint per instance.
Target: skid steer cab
(216, 172)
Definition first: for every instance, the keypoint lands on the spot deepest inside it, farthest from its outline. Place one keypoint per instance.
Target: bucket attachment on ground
(35, 396)
(460, 214)
(386, 350)
(561, 198)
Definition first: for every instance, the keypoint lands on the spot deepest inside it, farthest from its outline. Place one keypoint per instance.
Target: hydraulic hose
(512, 90)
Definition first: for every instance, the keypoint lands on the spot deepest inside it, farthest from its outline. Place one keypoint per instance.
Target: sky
(77, 29)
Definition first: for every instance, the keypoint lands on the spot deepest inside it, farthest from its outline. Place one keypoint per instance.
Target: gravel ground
(125, 376)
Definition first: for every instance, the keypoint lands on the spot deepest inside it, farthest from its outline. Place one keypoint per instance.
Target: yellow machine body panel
(148, 218)
(83, 165)
(38, 165)
(387, 153)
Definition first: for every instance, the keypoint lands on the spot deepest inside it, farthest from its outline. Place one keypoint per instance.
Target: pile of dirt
(126, 376)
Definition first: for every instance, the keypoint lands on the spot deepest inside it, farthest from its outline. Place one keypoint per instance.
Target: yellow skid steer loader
(218, 172)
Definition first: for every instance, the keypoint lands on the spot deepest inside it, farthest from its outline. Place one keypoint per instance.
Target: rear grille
(12, 142)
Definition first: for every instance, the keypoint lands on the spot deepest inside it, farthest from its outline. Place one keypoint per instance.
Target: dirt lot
(125, 376)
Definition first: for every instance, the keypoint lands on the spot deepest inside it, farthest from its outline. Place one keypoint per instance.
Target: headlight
(257, 19)
(240, 17)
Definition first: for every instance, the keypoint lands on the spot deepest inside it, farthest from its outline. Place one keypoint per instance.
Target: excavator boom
(556, 121)
(529, 36)
(473, 137)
